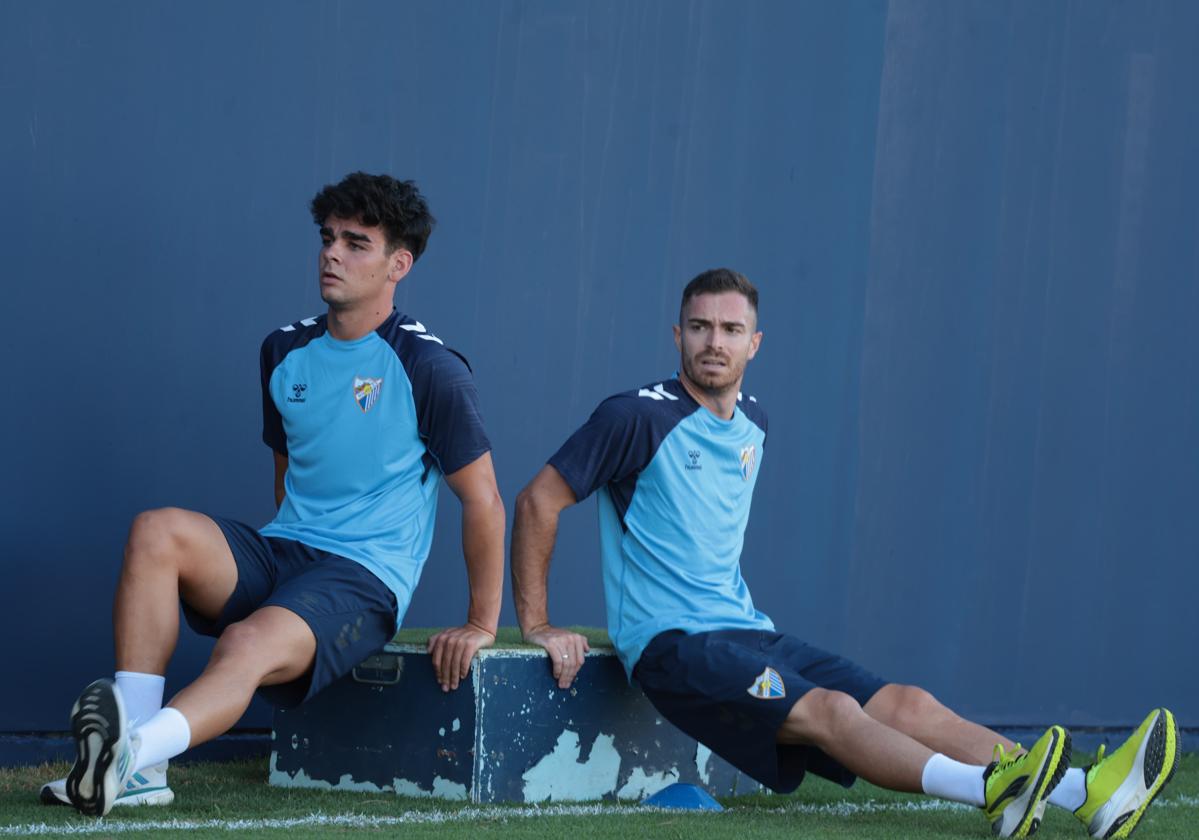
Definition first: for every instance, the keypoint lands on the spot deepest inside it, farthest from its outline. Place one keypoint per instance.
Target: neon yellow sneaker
(1120, 786)
(1016, 786)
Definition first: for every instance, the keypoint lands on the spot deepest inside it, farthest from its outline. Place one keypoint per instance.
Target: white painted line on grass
(319, 820)
(109, 826)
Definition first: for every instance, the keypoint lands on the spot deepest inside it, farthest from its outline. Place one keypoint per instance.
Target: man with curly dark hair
(365, 411)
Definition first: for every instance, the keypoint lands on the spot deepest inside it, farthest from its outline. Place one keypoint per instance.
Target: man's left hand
(452, 650)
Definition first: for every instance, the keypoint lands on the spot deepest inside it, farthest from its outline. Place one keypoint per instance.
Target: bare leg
(170, 553)
(272, 646)
(835, 723)
(917, 714)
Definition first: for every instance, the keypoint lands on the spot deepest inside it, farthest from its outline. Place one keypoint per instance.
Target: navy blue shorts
(731, 690)
(351, 612)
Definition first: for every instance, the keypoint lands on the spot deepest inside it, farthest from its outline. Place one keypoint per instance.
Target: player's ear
(755, 341)
(399, 264)
(678, 337)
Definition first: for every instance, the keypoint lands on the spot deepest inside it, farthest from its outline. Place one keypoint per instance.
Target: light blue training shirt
(675, 484)
(369, 427)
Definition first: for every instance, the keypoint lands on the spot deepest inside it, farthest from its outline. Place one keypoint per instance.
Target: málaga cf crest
(366, 392)
(768, 685)
(748, 457)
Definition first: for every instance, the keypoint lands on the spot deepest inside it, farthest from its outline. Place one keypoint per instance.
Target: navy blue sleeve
(614, 444)
(448, 417)
(754, 411)
(272, 421)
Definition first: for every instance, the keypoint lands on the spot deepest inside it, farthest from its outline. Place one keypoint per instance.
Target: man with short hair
(366, 411)
(674, 464)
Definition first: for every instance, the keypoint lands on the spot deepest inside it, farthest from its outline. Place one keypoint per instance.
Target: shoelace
(1002, 757)
(1100, 754)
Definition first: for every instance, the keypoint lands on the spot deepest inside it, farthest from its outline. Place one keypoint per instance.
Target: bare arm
(280, 472)
(483, 547)
(533, 534)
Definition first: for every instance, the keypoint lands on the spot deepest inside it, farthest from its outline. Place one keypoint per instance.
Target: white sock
(163, 736)
(1071, 791)
(948, 779)
(142, 694)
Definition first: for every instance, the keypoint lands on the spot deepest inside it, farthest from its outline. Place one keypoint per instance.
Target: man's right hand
(564, 648)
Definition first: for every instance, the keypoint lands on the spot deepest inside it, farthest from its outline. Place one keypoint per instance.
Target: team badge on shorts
(366, 392)
(768, 685)
(748, 457)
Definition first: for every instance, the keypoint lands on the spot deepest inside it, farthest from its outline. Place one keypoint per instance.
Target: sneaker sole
(47, 797)
(1052, 771)
(92, 778)
(1159, 763)
(158, 796)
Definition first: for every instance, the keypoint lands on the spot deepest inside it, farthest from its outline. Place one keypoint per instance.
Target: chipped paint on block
(510, 736)
(403, 787)
(562, 776)
(442, 789)
(480, 790)
(445, 789)
(702, 754)
(302, 779)
(361, 735)
(642, 784)
(346, 782)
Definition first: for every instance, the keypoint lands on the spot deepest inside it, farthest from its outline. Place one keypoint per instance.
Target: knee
(275, 644)
(822, 715)
(155, 536)
(241, 641)
(903, 707)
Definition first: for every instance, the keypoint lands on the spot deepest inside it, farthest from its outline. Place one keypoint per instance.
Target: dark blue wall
(973, 225)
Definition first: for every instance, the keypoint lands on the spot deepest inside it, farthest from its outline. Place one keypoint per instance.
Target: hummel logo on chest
(297, 391)
(693, 459)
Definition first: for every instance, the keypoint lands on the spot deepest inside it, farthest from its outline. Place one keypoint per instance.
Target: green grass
(237, 791)
(505, 637)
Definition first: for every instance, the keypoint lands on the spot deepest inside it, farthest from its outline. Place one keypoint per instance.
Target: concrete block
(508, 735)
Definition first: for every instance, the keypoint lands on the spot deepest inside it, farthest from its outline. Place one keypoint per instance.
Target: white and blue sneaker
(105, 753)
(145, 787)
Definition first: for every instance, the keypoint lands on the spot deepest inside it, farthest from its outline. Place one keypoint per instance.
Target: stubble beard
(713, 384)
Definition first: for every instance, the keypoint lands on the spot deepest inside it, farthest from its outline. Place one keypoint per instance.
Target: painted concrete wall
(973, 225)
